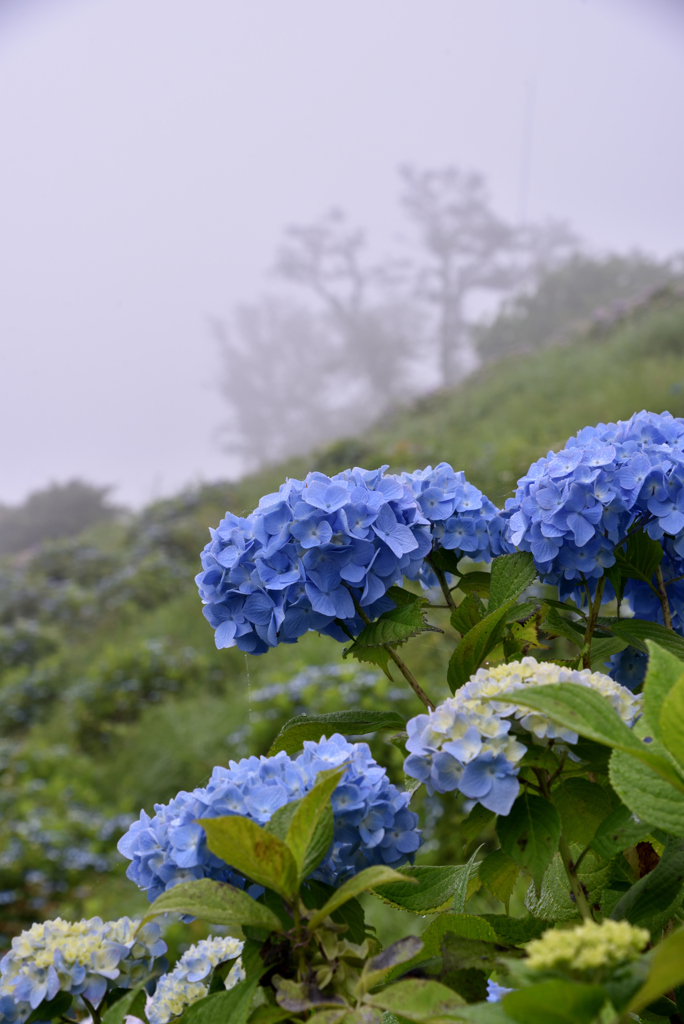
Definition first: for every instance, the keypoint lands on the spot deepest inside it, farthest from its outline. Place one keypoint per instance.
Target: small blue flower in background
(574, 506)
(495, 992)
(628, 667)
(372, 822)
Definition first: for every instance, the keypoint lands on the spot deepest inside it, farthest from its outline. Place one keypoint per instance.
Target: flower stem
(662, 594)
(448, 597)
(400, 663)
(571, 871)
(95, 1016)
(591, 621)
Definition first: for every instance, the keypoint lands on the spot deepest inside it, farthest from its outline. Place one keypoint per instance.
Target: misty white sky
(152, 151)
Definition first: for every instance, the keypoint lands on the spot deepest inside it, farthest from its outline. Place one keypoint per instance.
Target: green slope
(116, 724)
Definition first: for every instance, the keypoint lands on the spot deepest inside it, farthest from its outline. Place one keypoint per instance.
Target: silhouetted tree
(61, 510)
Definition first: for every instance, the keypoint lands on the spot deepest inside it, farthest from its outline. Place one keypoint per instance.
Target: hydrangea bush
(560, 731)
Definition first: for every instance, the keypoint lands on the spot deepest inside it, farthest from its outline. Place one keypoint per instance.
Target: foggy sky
(151, 152)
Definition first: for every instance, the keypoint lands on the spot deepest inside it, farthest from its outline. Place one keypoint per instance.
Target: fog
(153, 152)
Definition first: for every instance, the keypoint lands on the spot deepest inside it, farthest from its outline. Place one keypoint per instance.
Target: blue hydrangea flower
(628, 667)
(461, 518)
(299, 561)
(372, 822)
(84, 958)
(572, 507)
(189, 980)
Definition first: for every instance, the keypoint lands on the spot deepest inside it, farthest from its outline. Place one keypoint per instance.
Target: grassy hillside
(112, 695)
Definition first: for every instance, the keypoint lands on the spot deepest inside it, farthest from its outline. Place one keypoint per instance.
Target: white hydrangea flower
(589, 946)
(186, 983)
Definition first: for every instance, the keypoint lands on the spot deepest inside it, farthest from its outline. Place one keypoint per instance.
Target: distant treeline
(61, 510)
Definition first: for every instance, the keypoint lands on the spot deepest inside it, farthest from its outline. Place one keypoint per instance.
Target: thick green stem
(662, 594)
(95, 1016)
(448, 596)
(575, 884)
(401, 665)
(595, 607)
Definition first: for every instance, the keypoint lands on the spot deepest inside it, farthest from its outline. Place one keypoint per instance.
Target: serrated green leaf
(378, 656)
(417, 999)
(618, 832)
(434, 891)
(466, 925)
(637, 631)
(646, 793)
(254, 852)
(662, 672)
(556, 624)
(666, 973)
(529, 835)
(582, 806)
(394, 627)
(478, 820)
(462, 884)
(555, 1002)
(672, 721)
(215, 902)
(311, 829)
(603, 648)
(401, 596)
(369, 878)
(555, 901)
(475, 646)
(656, 891)
(525, 610)
(445, 560)
(469, 612)
(589, 713)
(511, 574)
(498, 873)
(350, 723)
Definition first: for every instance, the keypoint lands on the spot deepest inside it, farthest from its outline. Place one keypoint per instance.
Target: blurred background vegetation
(112, 694)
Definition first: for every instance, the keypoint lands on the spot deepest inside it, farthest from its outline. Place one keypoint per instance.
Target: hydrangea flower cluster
(83, 958)
(587, 947)
(466, 743)
(309, 551)
(372, 822)
(189, 980)
(461, 518)
(292, 564)
(574, 506)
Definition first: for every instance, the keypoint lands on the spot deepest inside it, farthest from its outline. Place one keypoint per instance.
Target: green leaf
(401, 597)
(459, 954)
(435, 890)
(475, 583)
(469, 612)
(582, 806)
(513, 931)
(311, 829)
(663, 671)
(529, 835)
(525, 610)
(618, 832)
(647, 794)
(418, 1000)
(555, 1002)
(667, 972)
(641, 557)
(637, 631)
(394, 627)
(379, 966)
(269, 1015)
(498, 873)
(604, 648)
(215, 902)
(233, 1006)
(588, 713)
(351, 723)
(466, 925)
(475, 646)
(460, 896)
(511, 574)
(299, 996)
(371, 656)
(369, 878)
(555, 901)
(656, 891)
(476, 822)
(446, 561)
(672, 721)
(254, 852)
(52, 1009)
(556, 625)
